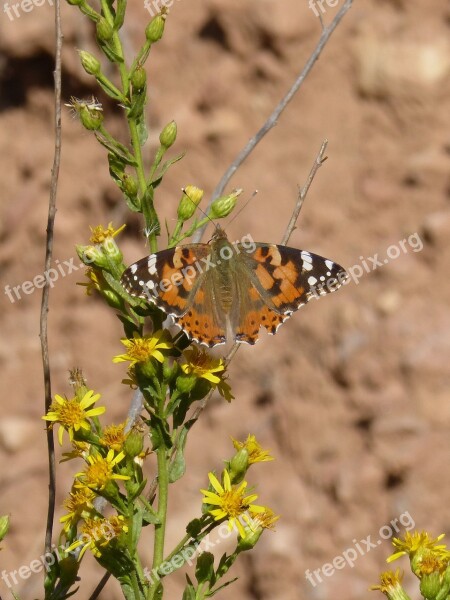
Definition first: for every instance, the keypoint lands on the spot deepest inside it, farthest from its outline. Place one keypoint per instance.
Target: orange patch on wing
(248, 331)
(202, 327)
(264, 277)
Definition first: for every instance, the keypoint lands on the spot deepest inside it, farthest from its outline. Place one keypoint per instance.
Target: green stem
(160, 529)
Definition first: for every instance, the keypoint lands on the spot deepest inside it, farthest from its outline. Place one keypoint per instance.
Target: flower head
(390, 585)
(141, 350)
(200, 364)
(100, 471)
(96, 533)
(114, 436)
(231, 502)
(100, 234)
(73, 414)
(255, 452)
(80, 506)
(416, 543)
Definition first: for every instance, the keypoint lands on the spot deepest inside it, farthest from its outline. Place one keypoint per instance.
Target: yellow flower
(97, 533)
(202, 365)
(114, 436)
(415, 542)
(231, 502)
(264, 520)
(100, 234)
(100, 471)
(390, 585)
(79, 450)
(143, 349)
(255, 452)
(80, 506)
(96, 281)
(71, 414)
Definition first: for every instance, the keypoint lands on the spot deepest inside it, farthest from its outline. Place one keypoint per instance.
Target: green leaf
(160, 435)
(136, 528)
(204, 570)
(110, 54)
(137, 104)
(178, 465)
(157, 180)
(213, 592)
(189, 592)
(142, 131)
(118, 149)
(194, 527)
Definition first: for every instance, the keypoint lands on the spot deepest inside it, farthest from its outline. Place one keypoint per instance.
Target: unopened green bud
(222, 207)
(168, 135)
(89, 63)
(130, 186)
(185, 383)
(4, 526)
(190, 199)
(155, 28)
(93, 255)
(430, 585)
(111, 249)
(139, 79)
(250, 540)
(104, 30)
(239, 466)
(91, 118)
(134, 444)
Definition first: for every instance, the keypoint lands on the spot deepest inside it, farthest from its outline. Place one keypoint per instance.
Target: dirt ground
(352, 394)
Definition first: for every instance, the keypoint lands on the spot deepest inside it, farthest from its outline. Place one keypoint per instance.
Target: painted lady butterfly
(227, 290)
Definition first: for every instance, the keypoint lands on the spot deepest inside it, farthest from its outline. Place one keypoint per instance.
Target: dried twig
(272, 120)
(320, 159)
(43, 323)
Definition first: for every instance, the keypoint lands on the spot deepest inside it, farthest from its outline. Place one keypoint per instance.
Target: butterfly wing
(175, 280)
(281, 280)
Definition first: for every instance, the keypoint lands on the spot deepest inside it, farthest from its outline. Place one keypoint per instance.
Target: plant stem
(160, 529)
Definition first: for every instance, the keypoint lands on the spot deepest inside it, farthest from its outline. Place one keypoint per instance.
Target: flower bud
(190, 199)
(130, 186)
(239, 466)
(133, 444)
(91, 118)
(155, 29)
(89, 63)
(138, 79)
(168, 135)
(104, 30)
(222, 207)
(430, 585)
(250, 540)
(185, 384)
(4, 526)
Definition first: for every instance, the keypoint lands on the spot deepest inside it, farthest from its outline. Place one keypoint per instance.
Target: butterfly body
(228, 290)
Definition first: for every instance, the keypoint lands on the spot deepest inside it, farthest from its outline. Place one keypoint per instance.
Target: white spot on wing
(152, 264)
(329, 264)
(312, 280)
(133, 268)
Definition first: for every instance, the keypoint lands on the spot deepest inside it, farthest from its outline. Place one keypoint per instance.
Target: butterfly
(226, 290)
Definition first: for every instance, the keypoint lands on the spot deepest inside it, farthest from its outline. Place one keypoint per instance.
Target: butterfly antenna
(242, 208)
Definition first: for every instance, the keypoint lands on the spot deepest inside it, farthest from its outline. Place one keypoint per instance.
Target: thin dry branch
(43, 323)
(273, 118)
